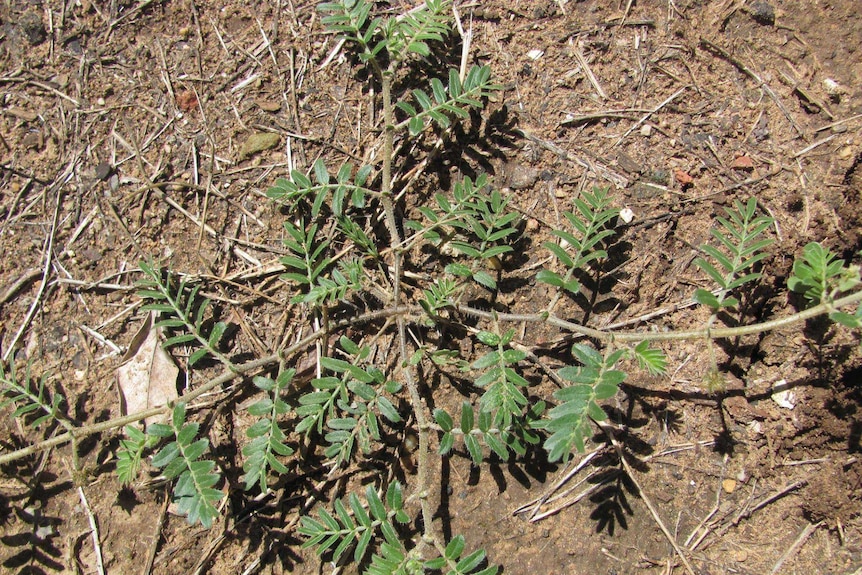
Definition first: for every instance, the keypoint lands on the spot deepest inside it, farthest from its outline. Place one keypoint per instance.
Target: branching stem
(403, 310)
(395, 238)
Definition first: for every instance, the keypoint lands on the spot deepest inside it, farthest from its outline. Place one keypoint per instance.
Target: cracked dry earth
(153, 129)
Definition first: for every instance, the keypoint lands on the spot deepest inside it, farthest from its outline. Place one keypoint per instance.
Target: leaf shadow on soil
(850, 407)
(475, 145)
(610, 502)
(598, 288)
(32, 548)
(262, 535)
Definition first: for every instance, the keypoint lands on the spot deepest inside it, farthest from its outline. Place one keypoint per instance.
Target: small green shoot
(355, 526)
(131, 452)
(652, 360)
(742, 237)
(345, 406)
(299, 189)
(33, 404)
(182, 310)
(452, 100)
(575, 251)
(267, 438)
(194, 492)
(569, 423)
(820, 276)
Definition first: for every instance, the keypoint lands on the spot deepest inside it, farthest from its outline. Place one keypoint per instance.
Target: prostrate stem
(395, 237)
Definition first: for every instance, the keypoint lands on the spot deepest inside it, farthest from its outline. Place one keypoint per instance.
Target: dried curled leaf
(148, 376)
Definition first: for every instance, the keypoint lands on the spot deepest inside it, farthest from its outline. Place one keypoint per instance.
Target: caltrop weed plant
(354, 255)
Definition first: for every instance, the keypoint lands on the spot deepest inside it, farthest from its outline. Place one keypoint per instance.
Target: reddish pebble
(742, 163)
(683, 177)
(187, 101)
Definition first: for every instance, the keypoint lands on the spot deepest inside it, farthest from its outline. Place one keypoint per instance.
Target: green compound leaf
(414, 29)
(466, 417)
(473, 448)
(352, 525)
(129, 455)
(193, 491)
(181, 309)
(268, 441)
(741, 240)
(569, 423)
(443, 419)
(576, 250)
(440, 110)
(820, 276)
(652, 360)
(33, 403)
(346, 407)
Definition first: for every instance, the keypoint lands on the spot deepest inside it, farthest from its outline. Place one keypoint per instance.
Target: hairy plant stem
(406, 310)
(396, 240)
(608, 337)
(228, 375)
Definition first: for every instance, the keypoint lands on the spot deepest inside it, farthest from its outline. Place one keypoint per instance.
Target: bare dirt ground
(123, 129)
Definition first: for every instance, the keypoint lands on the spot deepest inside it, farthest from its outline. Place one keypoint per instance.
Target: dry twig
(94, 532)
(588, 72)
(718, 51)
(803, 537)
(49, 255)
(631, 474)
(646, 116)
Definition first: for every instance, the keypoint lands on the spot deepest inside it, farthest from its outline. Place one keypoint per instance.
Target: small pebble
(832, 87)
(268, 106)
(646, 130)
(763, 13)
(33, 27)
(628, 163)
(627, 215)
(729, 485)
(258, 142)
(92, 254)
(520, 177)
(32, 141)
(532, 225)
(683, 177)
(846, 153)
(104, 171)
(742, 163)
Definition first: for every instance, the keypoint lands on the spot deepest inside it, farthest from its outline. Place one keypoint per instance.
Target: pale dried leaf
(148, 378)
